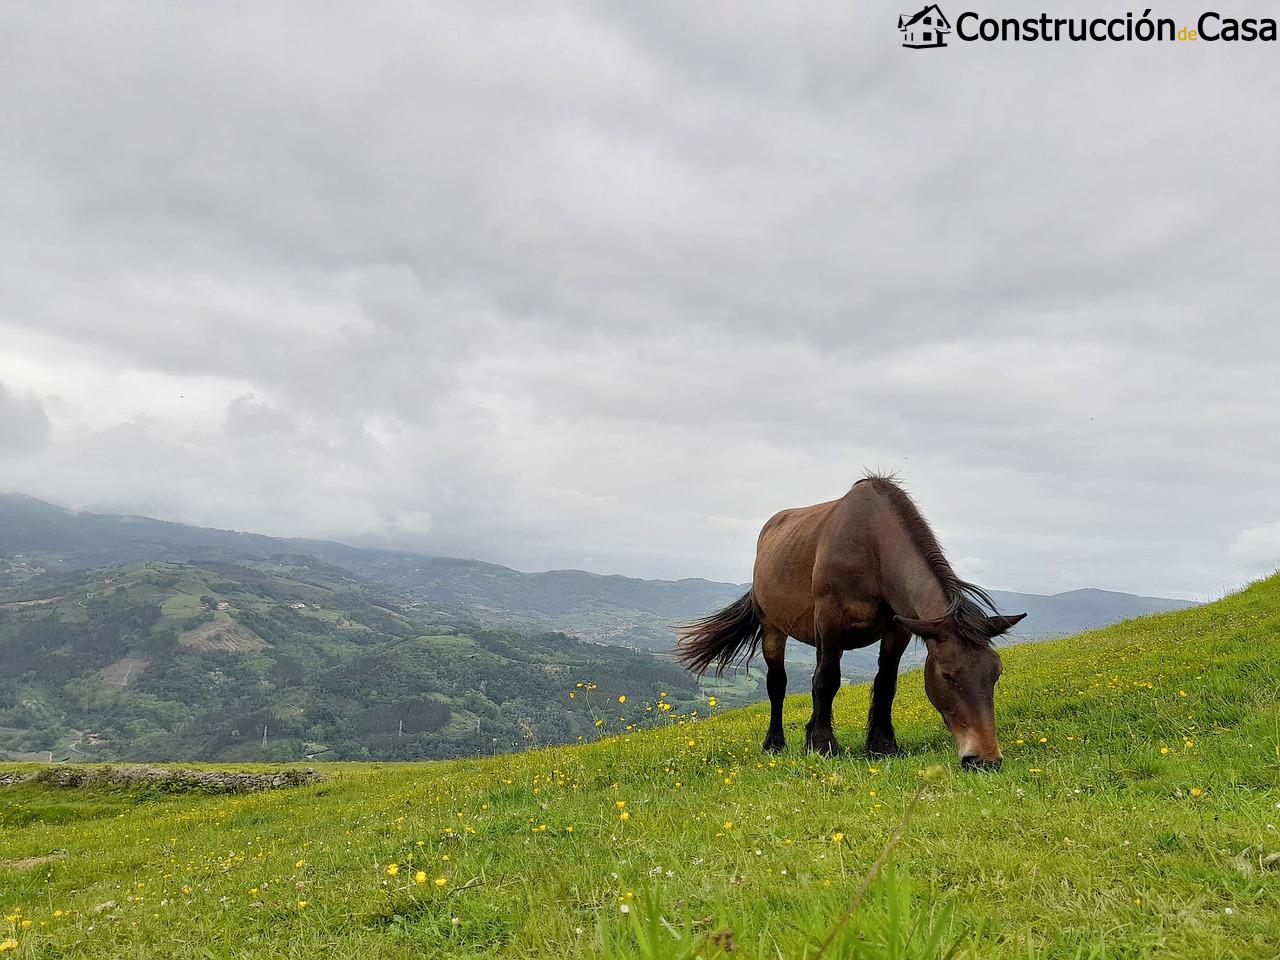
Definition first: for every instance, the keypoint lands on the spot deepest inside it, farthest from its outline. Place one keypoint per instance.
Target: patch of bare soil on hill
(223, 636)
(177, 780)
(26, 863)
(119, 674)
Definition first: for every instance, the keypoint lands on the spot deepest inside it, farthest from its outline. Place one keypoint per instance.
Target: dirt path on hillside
(20, 604)
(119, 674)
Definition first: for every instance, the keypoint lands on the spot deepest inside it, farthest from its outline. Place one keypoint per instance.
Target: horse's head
(960, 674)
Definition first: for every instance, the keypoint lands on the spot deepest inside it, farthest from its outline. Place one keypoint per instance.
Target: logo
(928, 28)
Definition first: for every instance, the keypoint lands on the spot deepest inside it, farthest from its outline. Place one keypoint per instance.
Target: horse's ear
(998, 625)
(924, 629)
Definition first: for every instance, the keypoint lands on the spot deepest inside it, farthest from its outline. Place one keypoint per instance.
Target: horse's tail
(721, 638)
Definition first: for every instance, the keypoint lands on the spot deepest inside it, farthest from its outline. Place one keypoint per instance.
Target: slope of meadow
(1136, 816)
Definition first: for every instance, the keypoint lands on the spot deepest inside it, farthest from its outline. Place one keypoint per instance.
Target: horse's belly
(797, 625)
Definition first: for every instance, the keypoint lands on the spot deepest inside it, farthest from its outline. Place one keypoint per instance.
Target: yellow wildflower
(420, 877)
(393, 869)
(441, 881)
(7, 944)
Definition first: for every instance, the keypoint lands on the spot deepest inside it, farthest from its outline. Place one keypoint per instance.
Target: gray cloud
(617, 281)
(24, 425)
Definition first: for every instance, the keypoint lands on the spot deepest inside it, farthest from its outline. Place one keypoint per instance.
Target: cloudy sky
(605, 285)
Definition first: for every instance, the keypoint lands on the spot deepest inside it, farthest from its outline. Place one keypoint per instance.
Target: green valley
(287, 660)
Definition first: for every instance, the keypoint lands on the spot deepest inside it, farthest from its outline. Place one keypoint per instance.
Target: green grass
(738, 685)
(1134, 817)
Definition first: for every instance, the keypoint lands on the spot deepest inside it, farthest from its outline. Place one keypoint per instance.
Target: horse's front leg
(881, 741)
(820, 735)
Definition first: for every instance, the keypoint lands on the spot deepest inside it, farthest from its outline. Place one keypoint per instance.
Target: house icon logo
(927, 28)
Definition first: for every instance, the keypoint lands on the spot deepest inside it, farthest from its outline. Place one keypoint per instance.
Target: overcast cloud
(605, 285)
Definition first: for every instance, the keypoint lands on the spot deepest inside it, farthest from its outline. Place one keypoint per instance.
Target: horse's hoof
(774, 744)
(823, 743)
(881, 751)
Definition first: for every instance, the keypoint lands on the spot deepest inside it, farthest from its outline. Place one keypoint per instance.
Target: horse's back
(825, 551)
(783, 580)
(846, 563)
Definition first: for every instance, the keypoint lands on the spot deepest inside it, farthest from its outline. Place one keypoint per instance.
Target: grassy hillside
(283, 661)
(1136, 816)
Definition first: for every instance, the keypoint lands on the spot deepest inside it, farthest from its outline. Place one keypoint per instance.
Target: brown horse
(841, 575)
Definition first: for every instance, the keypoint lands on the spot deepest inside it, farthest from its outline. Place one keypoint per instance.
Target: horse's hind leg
(881, 741)
(774, 646)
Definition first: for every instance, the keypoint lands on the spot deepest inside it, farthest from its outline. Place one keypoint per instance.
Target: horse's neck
(910, 584)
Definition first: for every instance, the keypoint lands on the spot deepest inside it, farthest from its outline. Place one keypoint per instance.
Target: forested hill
(37, 536)
(283, 661)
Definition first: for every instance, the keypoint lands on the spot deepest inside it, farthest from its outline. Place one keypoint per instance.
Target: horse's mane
(967, 600)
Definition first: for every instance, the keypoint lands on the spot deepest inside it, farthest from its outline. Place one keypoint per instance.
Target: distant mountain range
(603, 609)
(129, 637)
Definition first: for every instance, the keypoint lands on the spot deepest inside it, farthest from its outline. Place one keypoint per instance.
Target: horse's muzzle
(981, 764)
